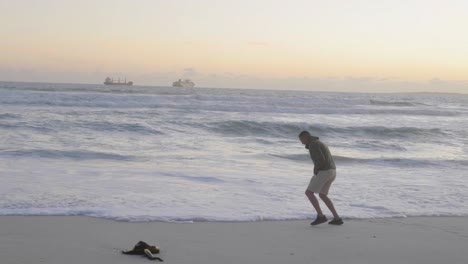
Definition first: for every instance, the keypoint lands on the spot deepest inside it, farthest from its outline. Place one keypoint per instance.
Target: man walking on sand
(324, 175)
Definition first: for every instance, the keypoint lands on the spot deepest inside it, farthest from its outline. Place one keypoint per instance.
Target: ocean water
(175, 154)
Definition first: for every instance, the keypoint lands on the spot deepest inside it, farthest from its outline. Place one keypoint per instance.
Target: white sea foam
(164, 154)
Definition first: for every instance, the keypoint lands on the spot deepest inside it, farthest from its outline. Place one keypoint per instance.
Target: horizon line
(261, 89)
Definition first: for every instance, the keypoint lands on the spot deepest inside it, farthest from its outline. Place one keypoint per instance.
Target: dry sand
(74, 239)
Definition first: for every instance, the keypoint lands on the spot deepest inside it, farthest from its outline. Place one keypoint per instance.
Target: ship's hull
(122, 84)
(186, 85)
(183, 84)
(119, 83)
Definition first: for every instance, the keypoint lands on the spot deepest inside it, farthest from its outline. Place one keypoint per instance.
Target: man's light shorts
(321, 182)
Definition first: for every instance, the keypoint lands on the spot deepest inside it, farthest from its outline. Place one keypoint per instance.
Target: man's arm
(326, 153)
(318, 157)
(321, 158)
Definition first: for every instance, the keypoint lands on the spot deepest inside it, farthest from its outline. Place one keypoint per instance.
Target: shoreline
(197, 221)
(82, 239)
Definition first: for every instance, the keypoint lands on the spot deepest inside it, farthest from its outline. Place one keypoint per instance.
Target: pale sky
(346, 45)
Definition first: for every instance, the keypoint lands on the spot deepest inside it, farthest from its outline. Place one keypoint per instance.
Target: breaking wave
(63, 154)
(398, 162)
(251, 128)
(394, 103)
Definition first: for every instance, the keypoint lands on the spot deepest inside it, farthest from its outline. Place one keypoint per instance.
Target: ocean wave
(395, 103)
(392, 132)
(250, 128)
(63, 154)
(398, 162)
(200, 179)
(23, 125)
(104, 126)
(48, 126)
(8, 116)
(373, 144)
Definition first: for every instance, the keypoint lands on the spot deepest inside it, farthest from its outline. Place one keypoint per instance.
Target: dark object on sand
(142, 248)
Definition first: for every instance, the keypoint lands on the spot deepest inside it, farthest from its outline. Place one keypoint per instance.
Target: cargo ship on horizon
(187, 83)
(110, 81)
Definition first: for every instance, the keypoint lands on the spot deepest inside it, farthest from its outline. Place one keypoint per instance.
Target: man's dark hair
(304, 133)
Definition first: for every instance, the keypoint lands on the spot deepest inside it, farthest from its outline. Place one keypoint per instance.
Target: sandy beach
(75, 239)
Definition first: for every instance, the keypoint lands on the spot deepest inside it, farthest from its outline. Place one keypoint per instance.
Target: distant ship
(183, 83)
(110, 81)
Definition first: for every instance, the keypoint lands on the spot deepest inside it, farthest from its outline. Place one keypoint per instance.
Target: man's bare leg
(314, 202)
(329, 204)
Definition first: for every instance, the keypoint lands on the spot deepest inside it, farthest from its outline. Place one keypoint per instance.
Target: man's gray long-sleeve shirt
(321, 156)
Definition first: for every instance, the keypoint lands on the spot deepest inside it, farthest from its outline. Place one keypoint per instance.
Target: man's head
(306, 138)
